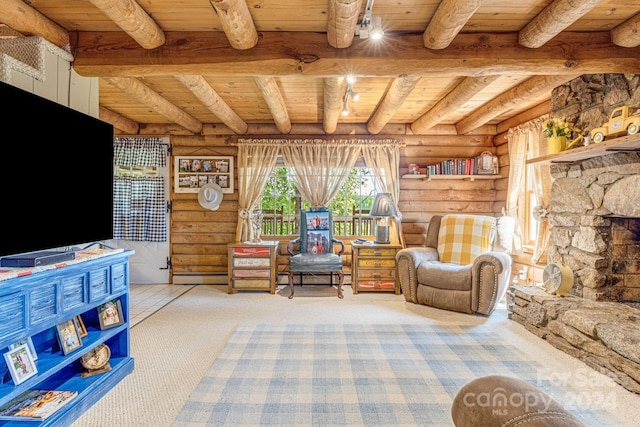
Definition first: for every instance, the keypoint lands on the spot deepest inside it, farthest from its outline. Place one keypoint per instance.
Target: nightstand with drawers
(253, 267)
(373, 267)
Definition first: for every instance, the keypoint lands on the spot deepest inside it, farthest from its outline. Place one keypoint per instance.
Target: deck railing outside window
(281, 205)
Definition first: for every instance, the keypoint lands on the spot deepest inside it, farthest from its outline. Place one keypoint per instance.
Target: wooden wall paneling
(421, 199)
(199, 237)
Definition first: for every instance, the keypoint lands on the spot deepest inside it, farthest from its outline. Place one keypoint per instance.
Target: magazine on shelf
(35, 404)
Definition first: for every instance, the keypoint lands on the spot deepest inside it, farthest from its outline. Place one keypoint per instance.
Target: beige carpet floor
(174, 347)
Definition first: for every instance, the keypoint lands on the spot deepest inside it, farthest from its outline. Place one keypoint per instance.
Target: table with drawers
(373, 267)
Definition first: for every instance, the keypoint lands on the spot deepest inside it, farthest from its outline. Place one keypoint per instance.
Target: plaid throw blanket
(463, 237)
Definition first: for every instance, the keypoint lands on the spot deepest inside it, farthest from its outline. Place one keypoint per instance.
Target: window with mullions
(281, 204)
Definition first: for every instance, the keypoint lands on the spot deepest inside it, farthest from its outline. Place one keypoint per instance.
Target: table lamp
(383, 207)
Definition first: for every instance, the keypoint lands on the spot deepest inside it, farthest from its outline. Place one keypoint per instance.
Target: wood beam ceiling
(133, 20)
(554, 18)
(341, 22)
(236, 23)
(141, 92)
(447, 22)
(451, 102)
(25, 19)
(307, 54)
(118, 58)
(396, 94)
(214, 102)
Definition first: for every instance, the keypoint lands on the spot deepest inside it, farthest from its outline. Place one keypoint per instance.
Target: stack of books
(35, 404)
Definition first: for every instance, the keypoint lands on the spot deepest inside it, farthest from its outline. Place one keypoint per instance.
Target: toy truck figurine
(622, 119)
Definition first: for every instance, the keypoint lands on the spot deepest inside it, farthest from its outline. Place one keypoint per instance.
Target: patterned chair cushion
(463, 237)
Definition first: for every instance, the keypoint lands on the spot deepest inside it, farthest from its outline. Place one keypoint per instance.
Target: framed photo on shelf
(110, 314)
(82, 330)
(29, 342)
(68, 336)
(20, 363)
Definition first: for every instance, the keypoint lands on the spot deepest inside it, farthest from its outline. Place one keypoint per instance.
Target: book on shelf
(35, 404)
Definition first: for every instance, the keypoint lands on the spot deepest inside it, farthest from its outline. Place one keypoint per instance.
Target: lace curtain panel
(139, 211)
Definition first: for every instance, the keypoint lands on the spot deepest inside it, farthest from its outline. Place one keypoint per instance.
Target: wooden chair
(315, 248)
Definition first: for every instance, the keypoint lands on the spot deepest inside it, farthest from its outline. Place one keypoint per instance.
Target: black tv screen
(56, 170)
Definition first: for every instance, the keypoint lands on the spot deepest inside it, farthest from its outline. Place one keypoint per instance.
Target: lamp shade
(383, 205)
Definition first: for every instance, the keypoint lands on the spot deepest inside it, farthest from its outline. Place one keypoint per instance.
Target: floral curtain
(139, 202)
(256, 159)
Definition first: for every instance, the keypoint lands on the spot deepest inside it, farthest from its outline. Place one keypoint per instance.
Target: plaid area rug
(362, 375)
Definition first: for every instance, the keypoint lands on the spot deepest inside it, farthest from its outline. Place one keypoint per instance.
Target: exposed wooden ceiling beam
(451, 102)
(553, 19)
(333, 97)
(119, 121)
(341, 22)
(532, 88)
(27, 20)
(210, 99)
(302, 53)
(236, 22)
(398, 91)
(131, 17)
(447, 22)
(144, 94)
(627, 34)
(272, 96)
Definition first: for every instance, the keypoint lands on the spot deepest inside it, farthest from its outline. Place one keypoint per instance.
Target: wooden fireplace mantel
(617, 145)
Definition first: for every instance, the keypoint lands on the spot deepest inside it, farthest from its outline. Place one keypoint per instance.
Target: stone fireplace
(594, 211)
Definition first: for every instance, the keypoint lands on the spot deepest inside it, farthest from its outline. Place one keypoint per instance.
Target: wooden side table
(253, 267)
(374, 267)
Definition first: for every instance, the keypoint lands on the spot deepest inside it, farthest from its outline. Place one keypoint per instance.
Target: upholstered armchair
(313, 252)
(464, 265)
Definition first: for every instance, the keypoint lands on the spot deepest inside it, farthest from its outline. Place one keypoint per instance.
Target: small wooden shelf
(414, 176)
(617, 145)
(462, 177)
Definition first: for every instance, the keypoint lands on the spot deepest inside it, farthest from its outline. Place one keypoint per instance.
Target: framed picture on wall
(191, 173)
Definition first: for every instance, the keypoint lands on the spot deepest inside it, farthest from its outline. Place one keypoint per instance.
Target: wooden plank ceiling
(279, 66)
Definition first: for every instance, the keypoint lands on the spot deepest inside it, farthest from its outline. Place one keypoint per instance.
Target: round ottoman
(497, 400)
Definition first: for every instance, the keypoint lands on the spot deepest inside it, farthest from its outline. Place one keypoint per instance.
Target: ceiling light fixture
(349, 93)
(369, 25)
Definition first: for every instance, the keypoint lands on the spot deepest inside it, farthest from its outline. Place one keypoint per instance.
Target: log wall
(199, 237)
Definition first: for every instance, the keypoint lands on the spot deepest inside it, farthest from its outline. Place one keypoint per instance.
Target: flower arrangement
(558, 127)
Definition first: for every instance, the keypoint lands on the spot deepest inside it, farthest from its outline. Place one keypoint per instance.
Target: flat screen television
(56, 172)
